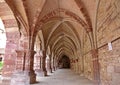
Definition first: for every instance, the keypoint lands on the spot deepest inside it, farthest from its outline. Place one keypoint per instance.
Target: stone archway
(64, 62)
(9, 41)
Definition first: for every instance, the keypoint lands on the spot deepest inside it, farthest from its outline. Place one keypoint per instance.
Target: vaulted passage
(64, 62)
(60, 77)
(64, 77)
(67, 39)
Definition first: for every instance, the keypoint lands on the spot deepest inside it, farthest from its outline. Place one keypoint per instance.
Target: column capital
(20, 51)
(96, 66)
(94, 53)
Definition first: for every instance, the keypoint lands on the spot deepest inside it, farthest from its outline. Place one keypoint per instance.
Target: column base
(45, 73)
(38, 72)
(41, 73)
(32, 77)
(50, 70)
(54, 68)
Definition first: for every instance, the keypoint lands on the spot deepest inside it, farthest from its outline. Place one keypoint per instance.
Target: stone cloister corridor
(60, 77)
(59, 42)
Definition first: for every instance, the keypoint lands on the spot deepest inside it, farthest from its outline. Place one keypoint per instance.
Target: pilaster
(96, 69)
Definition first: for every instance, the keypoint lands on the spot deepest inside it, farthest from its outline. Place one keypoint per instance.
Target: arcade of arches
(41, 36)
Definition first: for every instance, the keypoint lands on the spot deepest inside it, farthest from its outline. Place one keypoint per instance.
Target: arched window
(2, 43)
(2, 35)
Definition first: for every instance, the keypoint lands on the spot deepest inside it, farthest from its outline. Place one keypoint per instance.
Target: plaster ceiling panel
(64, 50)
(91, 6)
(62, 29)
(18, 6)
(56, 32)
(2, 1)
(46, 29)
(77, 27)
(63, 40)
(4, 9)
(66, 28)
(61, 46)
(7, 17)
(71, 6)
(34, 7)
(59, 32)
(49, 6)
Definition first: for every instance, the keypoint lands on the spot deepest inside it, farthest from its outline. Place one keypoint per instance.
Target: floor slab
(59, 77)
(63, 77)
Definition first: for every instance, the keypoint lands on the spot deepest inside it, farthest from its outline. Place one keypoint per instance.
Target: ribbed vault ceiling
(60, 21)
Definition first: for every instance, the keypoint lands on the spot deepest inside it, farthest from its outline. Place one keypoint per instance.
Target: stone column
(71, 65)
(9, 60)
(29, 63)
(40, 62)
(56, 67)
(96, 69)
(53, 64)
(76, 61)
(82, 64)
(37, 65)
(50, 67)
(44, 63)
(37, 62)
(20, 62)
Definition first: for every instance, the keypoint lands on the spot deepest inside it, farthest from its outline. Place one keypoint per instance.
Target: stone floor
(63, 77)
(60, 77)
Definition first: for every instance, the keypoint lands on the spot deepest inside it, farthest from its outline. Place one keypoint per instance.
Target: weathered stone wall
(108, 30)
(86, 44)
(73, 64)
(108, 27)
(10, 54)
(110, 64)
(87, 57)
(13, 36)
(88, 66)
(80, 65)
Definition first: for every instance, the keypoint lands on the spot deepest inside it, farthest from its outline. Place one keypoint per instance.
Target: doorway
(64, 62)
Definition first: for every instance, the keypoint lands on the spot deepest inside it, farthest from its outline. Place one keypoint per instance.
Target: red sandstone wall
(88, 66)
(109, 31)
(88, 63)
(10, 54)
